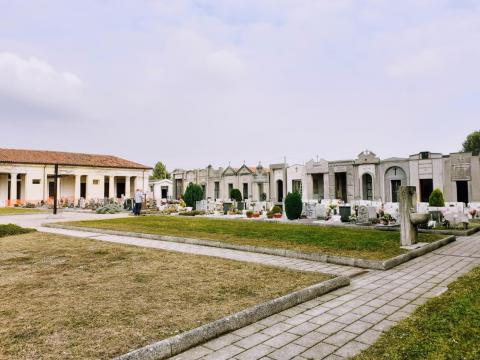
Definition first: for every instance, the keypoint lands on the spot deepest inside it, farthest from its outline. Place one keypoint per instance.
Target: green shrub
(109, 209)
(236, 195)
(193, 193)
(276, 210)
(436, 198)
(293, 205)
(12, 229)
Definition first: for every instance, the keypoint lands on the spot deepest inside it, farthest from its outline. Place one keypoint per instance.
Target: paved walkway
(342, 323)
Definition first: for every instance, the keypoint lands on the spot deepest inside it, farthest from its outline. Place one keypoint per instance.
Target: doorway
(462, 191)
(164, 190)
(367, 184)
(341, 186)
(120, 189)
(245, 191)
(426, 188)
(279, 190)
(395, 187)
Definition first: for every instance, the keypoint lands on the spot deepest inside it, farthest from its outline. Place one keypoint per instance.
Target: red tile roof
(66, 158)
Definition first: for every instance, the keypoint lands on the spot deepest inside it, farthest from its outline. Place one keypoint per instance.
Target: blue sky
(198, 82)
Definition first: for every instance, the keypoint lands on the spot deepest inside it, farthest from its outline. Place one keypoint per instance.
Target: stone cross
(407, 196)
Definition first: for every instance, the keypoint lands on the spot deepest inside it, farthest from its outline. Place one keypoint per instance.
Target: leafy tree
(193, 193)
(236, 195)
(436, 198)
(293, 205)
(472, 143)
(160, 172)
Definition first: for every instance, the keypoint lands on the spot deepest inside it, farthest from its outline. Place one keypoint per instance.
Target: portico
(26, 177)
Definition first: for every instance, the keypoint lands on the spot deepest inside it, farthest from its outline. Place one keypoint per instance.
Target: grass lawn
(64, 297)
(17, 211)
(447, 327)
(367, 244)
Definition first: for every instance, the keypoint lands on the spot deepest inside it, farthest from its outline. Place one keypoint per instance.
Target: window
(36, 181)
(230, 188)
(245, 190)
(96, 182)
(424, 155)
(297, 186)
(216, 194)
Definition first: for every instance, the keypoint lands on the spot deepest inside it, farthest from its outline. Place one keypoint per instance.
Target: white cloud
(425, 62)
(34, 81)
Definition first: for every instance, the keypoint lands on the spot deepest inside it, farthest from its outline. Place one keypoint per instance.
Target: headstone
(363, 217)
(372, 212)
(310, 210)
(321, 211)
(201, 205)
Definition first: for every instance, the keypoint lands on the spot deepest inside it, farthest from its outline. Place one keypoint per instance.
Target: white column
(111, 187)
(26, 183)
(127, 186)
(13, 188)
(87, 187)
(326, 186)
(77, 188)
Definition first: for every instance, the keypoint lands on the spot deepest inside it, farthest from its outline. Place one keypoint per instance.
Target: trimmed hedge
(436, 198)
(193, 193)
(12, 229)
(236, 195)
(293, 206)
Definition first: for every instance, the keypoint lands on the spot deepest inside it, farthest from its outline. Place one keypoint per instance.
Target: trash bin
(226, 207)
(345, 212)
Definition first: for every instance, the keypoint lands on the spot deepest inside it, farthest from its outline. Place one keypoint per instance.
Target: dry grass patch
(66, 297)
(18, 211)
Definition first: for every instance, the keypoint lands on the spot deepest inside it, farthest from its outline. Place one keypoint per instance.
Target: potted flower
(249, 214)
(255, 214)
(333, 207)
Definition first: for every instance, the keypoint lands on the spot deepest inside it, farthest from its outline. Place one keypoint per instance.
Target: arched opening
(367, 186)
(279, 190)
(394, 178)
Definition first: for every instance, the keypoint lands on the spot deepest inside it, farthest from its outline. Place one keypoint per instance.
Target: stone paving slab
(346, 321)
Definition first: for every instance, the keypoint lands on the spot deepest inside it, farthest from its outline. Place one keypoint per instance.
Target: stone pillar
(26, 183)
(127, 187)
(76, 195)
(13, 188)
(87, 187)
(407, 196)
(111, 187)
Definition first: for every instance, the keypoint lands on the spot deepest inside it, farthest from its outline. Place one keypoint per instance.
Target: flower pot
(277, 216)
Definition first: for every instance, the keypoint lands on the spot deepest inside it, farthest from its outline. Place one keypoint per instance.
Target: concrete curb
(332, 259)
(400, 259)
(458, 232)
(179, 343)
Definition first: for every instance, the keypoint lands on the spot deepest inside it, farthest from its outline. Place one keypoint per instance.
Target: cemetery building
(253, 182)
(26, 176)
(364, 178)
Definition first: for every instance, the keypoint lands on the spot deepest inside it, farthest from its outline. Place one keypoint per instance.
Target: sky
(200, 82)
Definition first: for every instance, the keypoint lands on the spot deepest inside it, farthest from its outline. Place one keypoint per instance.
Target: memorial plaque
(362, 217)
(461, 168)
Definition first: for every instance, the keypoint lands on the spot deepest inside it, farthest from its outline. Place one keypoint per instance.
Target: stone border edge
(400, 259)
(177, 344)
(332, 259)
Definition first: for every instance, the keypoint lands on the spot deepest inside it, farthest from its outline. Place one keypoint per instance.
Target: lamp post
(55, 177)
